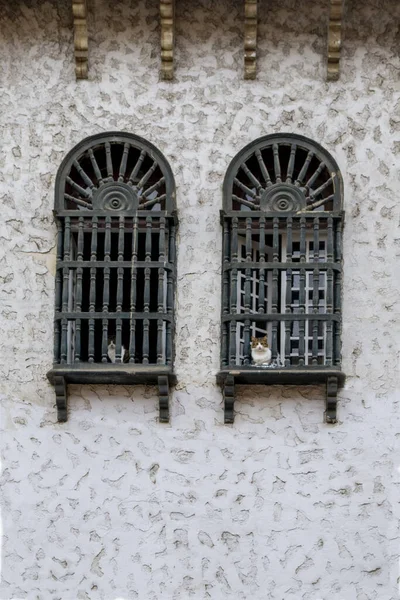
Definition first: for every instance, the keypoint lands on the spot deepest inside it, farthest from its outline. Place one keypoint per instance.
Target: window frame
(113, 227)
(264, 183)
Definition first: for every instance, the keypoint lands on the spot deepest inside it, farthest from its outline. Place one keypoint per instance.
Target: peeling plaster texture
(113, 505)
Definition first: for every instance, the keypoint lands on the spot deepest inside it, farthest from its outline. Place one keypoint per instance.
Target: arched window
(114, 306)
(282, 261)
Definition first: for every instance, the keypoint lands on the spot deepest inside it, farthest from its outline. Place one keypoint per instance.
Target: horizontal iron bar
(114, 264)
(295, 266)
(115, 215)
(241, 317)
(256, 214)
(137, 316)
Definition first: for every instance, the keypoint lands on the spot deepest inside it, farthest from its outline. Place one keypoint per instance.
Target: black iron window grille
(282, 267)
(115, 279)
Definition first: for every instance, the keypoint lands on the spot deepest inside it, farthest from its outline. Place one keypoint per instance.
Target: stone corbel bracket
(331, 400)
(60, 387)
(79, 9)
(229, 399)
(335, 39)
(250, 38)
(167, 17)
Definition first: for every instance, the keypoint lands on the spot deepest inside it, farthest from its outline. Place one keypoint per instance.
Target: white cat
(111, 351)
(260, 352)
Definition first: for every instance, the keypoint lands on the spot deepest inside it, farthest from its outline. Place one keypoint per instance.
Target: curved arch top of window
(114, 172)
(283, 173)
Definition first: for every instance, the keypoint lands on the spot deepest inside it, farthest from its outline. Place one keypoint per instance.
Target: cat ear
(253, 338)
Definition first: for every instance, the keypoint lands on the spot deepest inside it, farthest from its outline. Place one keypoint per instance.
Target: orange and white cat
(260, 352)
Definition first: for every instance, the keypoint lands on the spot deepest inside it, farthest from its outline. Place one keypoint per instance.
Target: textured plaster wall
(279, 505)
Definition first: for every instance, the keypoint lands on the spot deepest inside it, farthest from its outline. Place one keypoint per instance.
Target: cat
(260, 352)
(111, 351)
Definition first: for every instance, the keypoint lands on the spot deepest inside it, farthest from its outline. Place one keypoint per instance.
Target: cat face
(111, 342)
(259, 343)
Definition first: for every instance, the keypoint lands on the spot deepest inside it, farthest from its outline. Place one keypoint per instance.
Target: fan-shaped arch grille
(282, 254)
(283, 174)
(115, 175)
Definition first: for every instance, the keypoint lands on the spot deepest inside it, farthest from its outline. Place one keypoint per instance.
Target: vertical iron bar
(78, 295)
(329, 310)
(57, 341)
(145, 342)
(262, 239)
(288, 299)
(92, 290)
(146, 306)
(104, 341)
(234, 239)
(337, 298)
(91, 340)
(106, 289)
(225, 294)
(247, 293)
(329, 294)
(132, 333)
(234, 308)
(149, 224)
(65, 292)
(275, 286)
(170, 292)
(118, 341)
(315, 294)
(64, 347)
(58, 289)
(232, 343)
(120, 270)
(261, 285)
(58, 292)
(78, 340)
(161, 241)
(161, 286)
(329, 256)
(160, 301)
(159, 341)
(302, 292)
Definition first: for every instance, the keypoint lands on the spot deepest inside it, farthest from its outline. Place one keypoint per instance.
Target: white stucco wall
(112, 504)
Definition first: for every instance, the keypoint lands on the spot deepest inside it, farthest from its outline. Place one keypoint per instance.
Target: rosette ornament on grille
(116, 173)
(283, 173)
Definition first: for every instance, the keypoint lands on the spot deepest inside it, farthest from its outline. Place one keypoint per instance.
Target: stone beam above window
(167, 16)
(250, 38)
(335, 39)
(79, 9)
